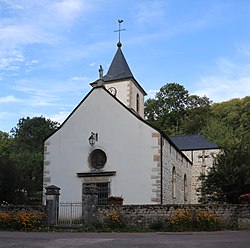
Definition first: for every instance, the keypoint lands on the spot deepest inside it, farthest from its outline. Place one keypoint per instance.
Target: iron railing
(70, 214)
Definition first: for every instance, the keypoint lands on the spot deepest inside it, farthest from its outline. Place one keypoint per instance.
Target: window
(137, 103)
(97, 159)
(185, 187)
(103, 192)
(173, 183)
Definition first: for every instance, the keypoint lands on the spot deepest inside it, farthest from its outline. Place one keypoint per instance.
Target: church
(106, 141)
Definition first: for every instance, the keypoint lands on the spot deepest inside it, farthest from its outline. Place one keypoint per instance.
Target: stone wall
(16, 208)
(174, 159)
(145, 215)
(202, 161)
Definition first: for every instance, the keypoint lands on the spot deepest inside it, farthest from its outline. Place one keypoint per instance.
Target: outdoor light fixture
(93, 138)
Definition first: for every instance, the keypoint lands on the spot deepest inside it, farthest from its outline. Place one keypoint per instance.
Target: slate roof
(119, 68)
(193, 142)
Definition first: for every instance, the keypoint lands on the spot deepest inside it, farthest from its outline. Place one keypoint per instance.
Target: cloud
(220, 89)
(10, 5)
(9, 99)
(11, 61)
(148, 14)
(151, 93)
(35, 22)
(59, 117)
(229, 80)
(50, 92)
(79, 79)
(68, 10)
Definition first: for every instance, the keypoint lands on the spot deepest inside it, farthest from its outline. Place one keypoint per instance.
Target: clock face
(112, 90)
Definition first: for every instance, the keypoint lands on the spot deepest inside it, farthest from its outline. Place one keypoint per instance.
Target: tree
(174, 111)
(230, 175)
(8, 180)
(197, 114)
(220, 133)
(6, 143)
(27, 151)
(31, 132)
(229, 127)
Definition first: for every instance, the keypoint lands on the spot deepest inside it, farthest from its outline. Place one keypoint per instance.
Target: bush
(245, 198)
(181, 220)
(158, 225)
(206, 221)
(185, 220)
(21, 220)
(114, 220)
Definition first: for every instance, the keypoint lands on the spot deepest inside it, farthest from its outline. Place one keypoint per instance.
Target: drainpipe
(161, 144)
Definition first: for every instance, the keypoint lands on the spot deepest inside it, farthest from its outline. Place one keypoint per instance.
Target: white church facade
(106, 141)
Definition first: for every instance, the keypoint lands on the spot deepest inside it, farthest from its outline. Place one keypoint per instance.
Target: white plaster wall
(126, 140)
(196, 157)
(133, 100)
(172, 158)
(123, 90)
(126, 93)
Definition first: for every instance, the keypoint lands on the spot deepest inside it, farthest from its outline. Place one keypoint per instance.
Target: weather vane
(119, 30)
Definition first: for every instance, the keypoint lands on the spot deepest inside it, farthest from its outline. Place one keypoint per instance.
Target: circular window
(97, 159)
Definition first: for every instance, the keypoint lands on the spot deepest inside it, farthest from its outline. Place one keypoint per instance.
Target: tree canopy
(175, 111)
(23, 151)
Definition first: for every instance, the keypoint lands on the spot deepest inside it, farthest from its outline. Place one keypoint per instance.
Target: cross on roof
(203, 156)
(119, 31)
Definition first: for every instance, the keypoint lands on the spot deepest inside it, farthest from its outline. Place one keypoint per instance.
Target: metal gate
(70, 214)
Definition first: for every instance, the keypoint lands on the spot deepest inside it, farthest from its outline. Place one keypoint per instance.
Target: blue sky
(50, 50)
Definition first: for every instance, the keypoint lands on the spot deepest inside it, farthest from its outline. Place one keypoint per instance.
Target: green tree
(220, 133)
(27, 151)
(30, 133)
(197, 114)
(230, 175)
(8, 180)
(174, 111)
(229, 127)
(6, 143)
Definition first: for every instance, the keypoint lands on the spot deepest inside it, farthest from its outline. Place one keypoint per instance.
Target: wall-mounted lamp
(93, 138)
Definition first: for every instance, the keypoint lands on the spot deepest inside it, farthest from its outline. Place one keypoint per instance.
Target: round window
(97, 159)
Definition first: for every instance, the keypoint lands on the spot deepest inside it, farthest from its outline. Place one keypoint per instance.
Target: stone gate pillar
(52, 204)
(89, 204)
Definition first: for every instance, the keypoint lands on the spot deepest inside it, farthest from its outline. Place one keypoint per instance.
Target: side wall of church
(202, 161)
(180, 193)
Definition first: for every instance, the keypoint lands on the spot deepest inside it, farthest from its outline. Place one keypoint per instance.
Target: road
(225, 239)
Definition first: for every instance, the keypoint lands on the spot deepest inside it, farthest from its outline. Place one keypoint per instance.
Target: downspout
(161, 149)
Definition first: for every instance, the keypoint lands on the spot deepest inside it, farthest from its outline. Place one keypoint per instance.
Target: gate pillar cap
(52, 190)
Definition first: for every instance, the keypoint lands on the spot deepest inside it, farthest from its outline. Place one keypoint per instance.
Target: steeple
(119, 68)
(120, 82)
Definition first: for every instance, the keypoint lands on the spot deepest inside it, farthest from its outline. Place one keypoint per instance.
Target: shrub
(245, 198)
(185, 220)
(158, 225)
(181, 220)
(114, 220)
(206, 221)
(21, 220)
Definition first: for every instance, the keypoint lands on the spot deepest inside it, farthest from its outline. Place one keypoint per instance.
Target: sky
(50, 50)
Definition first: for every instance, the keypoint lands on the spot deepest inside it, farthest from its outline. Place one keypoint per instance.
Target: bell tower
(120, 81)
